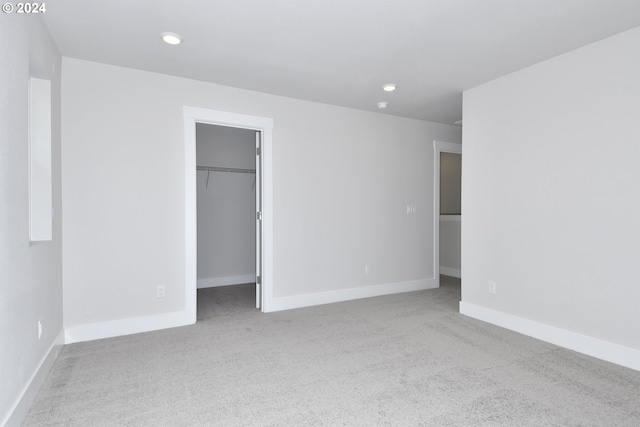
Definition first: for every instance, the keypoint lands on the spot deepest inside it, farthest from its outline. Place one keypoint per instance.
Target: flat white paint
(127, 228)
(31, 272)
(225, 281)
(287, 48)
(226, 204)
(550, 194)
(605, 350)
(451, 271)
(226, 225)
(450, 250)
(225, 146)
(441, 147)
(40, 179)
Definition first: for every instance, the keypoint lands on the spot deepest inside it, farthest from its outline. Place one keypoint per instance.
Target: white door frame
(258, 218)
(193, 115)
(439, 147)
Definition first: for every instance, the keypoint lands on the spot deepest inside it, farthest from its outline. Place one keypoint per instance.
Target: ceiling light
(382, 105)
(389, 87)
(171, 38)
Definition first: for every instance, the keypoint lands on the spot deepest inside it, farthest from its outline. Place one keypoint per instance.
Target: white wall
(226, 206)
(551, 196)
(30, 273)
(450, 245)
(342, 180)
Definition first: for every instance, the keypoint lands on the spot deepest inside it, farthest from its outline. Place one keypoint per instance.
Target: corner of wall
(340, 295)
(604, 350)
(30, 391)
(115, 328)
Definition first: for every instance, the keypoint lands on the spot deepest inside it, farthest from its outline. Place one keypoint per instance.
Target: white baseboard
(115, 328)
(20, 409)
(328, 297)
(453, 272)
(226, 281)
(614, 353)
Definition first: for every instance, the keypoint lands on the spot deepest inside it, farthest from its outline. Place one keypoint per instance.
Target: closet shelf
(219, 169)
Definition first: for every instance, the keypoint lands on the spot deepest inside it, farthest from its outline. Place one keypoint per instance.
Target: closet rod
(218, 169)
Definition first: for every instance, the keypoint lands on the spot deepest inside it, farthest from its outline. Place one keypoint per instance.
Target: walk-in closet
(226, 207)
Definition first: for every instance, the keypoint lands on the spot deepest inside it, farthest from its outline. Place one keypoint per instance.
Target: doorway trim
(193, 115)
(439, 147)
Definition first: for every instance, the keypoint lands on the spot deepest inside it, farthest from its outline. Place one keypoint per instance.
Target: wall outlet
(411, 209)
(492, 288)
(160, 291)
(367, 269)
(39, 329)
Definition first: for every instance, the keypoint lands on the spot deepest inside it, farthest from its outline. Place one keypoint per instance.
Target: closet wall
(226, 206)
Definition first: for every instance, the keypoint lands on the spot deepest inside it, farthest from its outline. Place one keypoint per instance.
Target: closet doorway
(262, 129)
(447, 212)
(228, 200)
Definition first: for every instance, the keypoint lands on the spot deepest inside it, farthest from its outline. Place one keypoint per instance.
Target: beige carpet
(400, 360)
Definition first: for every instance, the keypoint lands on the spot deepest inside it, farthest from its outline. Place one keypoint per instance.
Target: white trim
(267, 218)
(453, 272)
(212, 282)
(614, 353)
(447, 147)
(116, 328)
(438, 147)
(193, 115)
(190, 215)
(21, 407)
(340, 295)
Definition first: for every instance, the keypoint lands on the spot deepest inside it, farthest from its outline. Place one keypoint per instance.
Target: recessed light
(389, 87)
(171, 38)
(382, 105)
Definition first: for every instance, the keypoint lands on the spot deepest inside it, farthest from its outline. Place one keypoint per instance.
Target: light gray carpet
(400, 360)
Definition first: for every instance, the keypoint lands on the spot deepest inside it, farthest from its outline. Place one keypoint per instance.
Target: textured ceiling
(339, 51)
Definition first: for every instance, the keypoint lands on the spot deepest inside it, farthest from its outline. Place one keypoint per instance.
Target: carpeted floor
(399, 360)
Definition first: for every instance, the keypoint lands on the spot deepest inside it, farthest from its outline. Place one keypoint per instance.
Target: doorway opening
(447, 209)
(208, 123)
(227, 192)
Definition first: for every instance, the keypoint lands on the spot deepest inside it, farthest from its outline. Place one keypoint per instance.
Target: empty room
(320, 213)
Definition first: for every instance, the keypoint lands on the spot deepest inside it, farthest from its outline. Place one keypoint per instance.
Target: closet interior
(226, 205)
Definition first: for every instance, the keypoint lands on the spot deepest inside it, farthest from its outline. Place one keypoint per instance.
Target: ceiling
(339, 51)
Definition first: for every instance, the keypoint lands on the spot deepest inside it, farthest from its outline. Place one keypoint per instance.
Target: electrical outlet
(367, 269)
(492, 288)
(39, 329)
(160, 291)
(411, 209)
